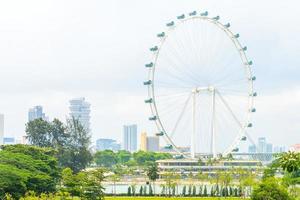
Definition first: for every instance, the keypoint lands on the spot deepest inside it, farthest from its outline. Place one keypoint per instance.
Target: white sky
(52, 51)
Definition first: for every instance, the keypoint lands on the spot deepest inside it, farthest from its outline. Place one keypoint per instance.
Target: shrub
(270, 189)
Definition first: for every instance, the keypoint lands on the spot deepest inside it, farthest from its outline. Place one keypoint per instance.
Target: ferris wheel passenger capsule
(244, 138)
(193, 13)
(159, 133)
(254, 94)
(250, 62)
(155, 48)
(236, 35)
(244, 48)
(216, 18)
(227, 25)
(153, 118)
(204, 13)
(148, 82)
(181, 16)
(169, 146)
(170, 24)
(235, 150)
(253, 78)
(149, 100)
(149, 64)
(250, 125)
(160, 35)
(252, 110)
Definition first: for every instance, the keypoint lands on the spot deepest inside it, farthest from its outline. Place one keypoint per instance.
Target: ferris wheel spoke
(179, 69)
(180, 116)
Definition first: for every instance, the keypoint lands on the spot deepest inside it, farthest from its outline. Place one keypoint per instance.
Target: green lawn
(177, 198)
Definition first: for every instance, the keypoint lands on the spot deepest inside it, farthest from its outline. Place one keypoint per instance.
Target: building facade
(107, 144)
(130, 137)
(143, 141)
(36, 113)
(9, 140)
(80, 110)
(153, 143)
(149, 143)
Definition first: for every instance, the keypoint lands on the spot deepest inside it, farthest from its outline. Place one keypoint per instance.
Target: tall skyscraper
(1, 129)
(80, 110)
(130, 137)
(36, 113)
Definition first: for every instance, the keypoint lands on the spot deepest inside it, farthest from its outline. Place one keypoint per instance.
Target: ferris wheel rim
(243, 57)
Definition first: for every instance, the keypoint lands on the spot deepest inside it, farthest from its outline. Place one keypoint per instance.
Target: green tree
(24, 167)
(152, 173)
(270, 189)
(290, 161)
(38, 133)
(123, 156)
(71, 141)
(76, 153)
(129, 191)
(184, 190)
(106, 158)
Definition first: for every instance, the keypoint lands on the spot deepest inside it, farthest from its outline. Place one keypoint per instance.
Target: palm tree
(289, 161)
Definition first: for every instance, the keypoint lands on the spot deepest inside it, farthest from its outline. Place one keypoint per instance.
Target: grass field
(170, 198)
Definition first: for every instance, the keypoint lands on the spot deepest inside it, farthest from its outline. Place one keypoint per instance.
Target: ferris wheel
(200, 86)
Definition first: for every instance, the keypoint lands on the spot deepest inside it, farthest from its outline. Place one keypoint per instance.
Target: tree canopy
(25, 168)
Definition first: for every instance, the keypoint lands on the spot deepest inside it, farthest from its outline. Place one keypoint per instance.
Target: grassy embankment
(171, 198)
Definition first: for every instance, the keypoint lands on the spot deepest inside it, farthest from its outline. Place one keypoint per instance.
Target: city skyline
(77, 61)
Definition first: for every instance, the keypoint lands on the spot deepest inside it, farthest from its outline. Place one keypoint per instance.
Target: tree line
(108, 158)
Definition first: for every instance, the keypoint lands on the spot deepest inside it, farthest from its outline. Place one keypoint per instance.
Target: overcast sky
(52, 51)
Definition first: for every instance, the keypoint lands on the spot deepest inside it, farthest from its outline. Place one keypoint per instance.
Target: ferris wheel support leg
(213, 130)
(194, 127)
(243, 132)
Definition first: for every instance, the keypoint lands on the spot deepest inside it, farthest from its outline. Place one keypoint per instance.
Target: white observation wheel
(200, 86)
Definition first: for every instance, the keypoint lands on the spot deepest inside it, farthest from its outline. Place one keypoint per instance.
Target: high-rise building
(130, 137)
(1, 128)
(252, 149)
(80, 110)
(149, 143)
(107, 144)
(262, 145)
(143, 142)
(36, 113)
(269, 148)
(153, 143)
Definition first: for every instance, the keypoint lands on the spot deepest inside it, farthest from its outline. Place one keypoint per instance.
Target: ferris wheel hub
(203, 89)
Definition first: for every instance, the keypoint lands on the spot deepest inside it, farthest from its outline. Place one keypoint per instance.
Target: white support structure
(213, 129)
(193, 143)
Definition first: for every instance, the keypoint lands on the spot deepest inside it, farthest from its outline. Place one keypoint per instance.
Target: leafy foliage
(71, 141)
(270, 189)
(108, 158)
(25, 168)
